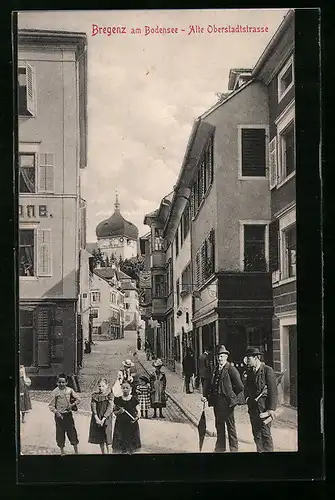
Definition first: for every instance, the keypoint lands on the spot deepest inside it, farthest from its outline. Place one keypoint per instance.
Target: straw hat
(128, 363)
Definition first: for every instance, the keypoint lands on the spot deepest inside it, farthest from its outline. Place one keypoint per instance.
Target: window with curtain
(27, 249)
(27, 168)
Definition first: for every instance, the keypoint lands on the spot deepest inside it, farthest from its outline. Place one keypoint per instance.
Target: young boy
(62, 403)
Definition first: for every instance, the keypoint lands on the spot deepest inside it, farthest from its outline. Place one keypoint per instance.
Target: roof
(117, 225)
(145, 236)
(128, 286)
(122, 276)
(52, 37)
(91, 246)
(105, 272)
(233, 75)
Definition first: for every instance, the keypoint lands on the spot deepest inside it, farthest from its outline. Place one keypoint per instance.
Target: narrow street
(157, 435)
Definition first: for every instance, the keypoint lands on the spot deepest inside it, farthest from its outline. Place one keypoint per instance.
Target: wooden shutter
(273, 162)
(43, 328)
(192, 202)
(204, 274)
(212, 249)
(274, 245)
(46, 173)
(210, 161)
(31, 89)
(44, 252)
(253, 152)
(197, 269)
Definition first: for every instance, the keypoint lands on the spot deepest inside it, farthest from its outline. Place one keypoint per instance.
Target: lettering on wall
(31, 211)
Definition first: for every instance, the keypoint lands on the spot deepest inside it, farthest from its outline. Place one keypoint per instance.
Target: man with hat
(261, 396)
(226, 385)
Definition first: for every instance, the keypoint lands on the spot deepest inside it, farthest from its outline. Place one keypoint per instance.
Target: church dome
(116, 225)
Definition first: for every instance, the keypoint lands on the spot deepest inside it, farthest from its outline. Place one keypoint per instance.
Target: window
(205, 260)
(254, 247)
(27, 252)
(289, 237)
(113, 298)
(95, 312)
(204, 178)
(285, 79)
(27, 166)
(177, 241)
(95, 297)
(252, 151)
(186, 280)
(158, 239)
(127, 305)
(27, 337)
(159, 285)
(287, 151)
(178, 292)
(33, 179)
(185, 226)
(26, 90)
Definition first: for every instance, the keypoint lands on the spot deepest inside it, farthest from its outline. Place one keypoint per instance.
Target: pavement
(176, 433)
(284, 427)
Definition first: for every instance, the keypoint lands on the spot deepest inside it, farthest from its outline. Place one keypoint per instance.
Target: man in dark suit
(205, 371)
(261, 396)
(226, 385)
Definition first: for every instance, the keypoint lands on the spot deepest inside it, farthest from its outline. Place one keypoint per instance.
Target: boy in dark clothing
(261, 397)
(188, 369)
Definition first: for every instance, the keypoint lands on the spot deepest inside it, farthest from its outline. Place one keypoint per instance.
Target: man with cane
(261, 397)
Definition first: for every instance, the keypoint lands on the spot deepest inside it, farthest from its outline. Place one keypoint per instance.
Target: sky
(145, 91)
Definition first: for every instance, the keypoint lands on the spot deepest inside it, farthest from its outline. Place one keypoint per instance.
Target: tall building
(52, 116)
(275, 69)
(117, 237)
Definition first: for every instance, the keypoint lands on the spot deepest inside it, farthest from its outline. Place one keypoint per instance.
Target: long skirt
(100, 434)
(126, 437)
(25, 402)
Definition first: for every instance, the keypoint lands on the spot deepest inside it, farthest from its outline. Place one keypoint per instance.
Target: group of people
(223, 389)
(129, 399)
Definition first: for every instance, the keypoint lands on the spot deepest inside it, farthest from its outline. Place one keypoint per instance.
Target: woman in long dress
(101, 421)
(25, 402)
(126, 437)
(158, 386)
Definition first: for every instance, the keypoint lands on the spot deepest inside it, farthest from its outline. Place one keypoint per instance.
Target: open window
(26, 90)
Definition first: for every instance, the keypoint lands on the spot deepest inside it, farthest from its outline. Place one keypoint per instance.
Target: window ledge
(289, 177)
(29, 278)
(252, 178)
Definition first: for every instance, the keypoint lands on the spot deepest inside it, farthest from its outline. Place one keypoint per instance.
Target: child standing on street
(143, 393)
(63, 402)
(126, 437)
(158, 386)
(101, 421)
(25, 403)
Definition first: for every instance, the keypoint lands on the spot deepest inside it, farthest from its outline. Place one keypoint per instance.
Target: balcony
(157, 259)
(158, 307)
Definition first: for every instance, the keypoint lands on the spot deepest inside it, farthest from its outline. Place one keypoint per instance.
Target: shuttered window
(44, 325)
(197, 269)
(46, 172)
(26, 90)
(44, 252)
(274, 245)
(253, 152)
(273, 163)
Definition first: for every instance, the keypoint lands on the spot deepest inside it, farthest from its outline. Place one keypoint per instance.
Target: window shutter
(210, 161)
(46, 173)
(43, 323)
(273, 162)
(192, 202)
(44, 252)
(31, 90)
(274, 245)
(204, 262)
(198, 269)
(212, 249)
(253, 152)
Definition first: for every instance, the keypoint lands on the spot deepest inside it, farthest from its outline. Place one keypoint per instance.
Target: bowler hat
(253, 351)
(222, 350)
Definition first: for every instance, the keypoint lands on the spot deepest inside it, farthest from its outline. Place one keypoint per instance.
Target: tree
(98, 258)
(132, 267)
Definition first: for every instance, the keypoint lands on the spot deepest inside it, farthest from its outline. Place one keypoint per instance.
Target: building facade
(276, 70)
(106, 307)
(117, 237)
(52, 121)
